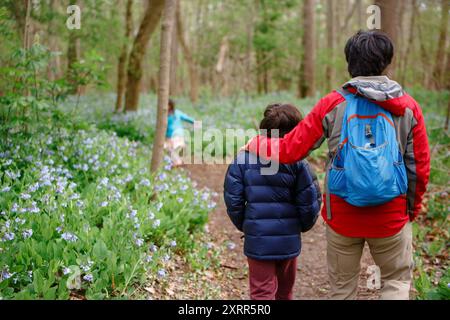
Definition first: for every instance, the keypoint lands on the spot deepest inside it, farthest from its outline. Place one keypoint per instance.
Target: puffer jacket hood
(383, 91)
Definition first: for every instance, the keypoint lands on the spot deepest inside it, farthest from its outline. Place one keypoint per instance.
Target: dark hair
(368, 53)
(171, 106)
(283, 117)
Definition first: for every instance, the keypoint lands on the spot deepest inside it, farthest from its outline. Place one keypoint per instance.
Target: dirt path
(312, 278)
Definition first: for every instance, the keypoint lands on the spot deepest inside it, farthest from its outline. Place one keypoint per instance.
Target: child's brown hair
(171, 106)
(283, 117)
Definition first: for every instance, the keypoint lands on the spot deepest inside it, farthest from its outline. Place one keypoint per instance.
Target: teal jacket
(175, 124)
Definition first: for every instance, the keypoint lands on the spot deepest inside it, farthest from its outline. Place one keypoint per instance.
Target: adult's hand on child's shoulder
(247, 146)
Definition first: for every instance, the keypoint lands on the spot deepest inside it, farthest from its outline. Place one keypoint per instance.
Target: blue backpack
(367, 168)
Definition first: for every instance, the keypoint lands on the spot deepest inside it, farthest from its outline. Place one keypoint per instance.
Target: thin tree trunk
(192, 68)
(164, 82)
(134, 72)
(221, 65)
(73, 56)
(407, 52)
(19, 10)
(349, 16)
(390, 23)
(54, 65)
(121, 68)
(248, 54)
(425, 57)
(447, 86)
(361, 14)
(174, 61)
(442, 44)
(330, 70)
(26, 32)
(307, 69)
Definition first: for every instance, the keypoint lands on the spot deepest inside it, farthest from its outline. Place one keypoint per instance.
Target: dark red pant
(272, 280)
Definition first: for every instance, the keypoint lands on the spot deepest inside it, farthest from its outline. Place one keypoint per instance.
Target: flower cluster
(75, 203)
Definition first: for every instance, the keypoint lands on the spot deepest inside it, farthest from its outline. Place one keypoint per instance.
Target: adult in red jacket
(386, 228)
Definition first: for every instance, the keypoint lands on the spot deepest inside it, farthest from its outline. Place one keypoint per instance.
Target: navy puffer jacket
(271, 210)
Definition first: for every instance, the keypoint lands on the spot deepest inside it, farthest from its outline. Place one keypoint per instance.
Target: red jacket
(320, 125)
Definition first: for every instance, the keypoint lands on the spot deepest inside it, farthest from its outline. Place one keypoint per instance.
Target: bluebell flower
(27, 233)
(205, 196)
(161, 273)
(132, 214)
(156, 223)
(162, 176)
(4, 275)
(139, 242)
(25, 196)
(211, 205)
(173, 243)
(209, 245)
(231, 245)
(66, 271)
(69, 237)
(9, 236)
(88, 277)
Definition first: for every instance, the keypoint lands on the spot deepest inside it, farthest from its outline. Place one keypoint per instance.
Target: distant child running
(175, 133)
(272, 211)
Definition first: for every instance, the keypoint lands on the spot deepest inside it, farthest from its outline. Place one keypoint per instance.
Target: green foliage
(79, 211)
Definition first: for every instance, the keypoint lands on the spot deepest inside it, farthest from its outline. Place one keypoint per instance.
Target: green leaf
(100, 250)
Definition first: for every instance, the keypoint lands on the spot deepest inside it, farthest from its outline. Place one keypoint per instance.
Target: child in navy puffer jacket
(272, 211)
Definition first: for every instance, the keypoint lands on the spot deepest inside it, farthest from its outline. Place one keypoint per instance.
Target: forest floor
(312, 278)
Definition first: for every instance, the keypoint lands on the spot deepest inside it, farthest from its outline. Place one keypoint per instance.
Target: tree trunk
(407, 52)
(121, 68)
(134, 72)
(390, 24)
(221, 65)
(26, 32)
(361, 15)
(349, 16)
(330, 70)
(307, 69)
(248, 53)
(447, 86)
(173, 88)
(18, 9)
(440, 53)
(54, 65)
(164, 82)
(73, 56)
(192, 68)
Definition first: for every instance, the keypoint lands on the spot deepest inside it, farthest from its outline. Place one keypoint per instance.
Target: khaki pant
(393, 255)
